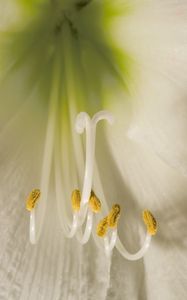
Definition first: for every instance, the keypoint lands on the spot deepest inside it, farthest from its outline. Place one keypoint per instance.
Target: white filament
(83, 122)
(69, 228)
(46, 165)
(138, 254)
(32, 227)
(46, 168)
(116, 242)
(110, 243)
(84, 237)
(74, 226)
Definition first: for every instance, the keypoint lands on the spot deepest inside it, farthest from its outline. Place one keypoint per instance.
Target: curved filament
(118, 244)
(84, 237)
(136, 255)
(109, 244)
(83, 122)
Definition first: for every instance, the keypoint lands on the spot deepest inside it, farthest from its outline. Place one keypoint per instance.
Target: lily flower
(65, 65)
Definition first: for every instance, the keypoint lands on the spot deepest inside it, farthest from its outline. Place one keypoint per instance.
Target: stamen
(150, 222)
(83, 121)
(76, 200)
(114, 215)
(94, 203)
(81, 210)
(32, 199)
(37, 219)
(102, 227)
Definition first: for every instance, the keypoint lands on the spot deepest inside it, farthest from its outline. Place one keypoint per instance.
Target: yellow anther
(114, 215)
(32, 199)
(95, 203)
(150, 222)
(102, 227)
(76, 200)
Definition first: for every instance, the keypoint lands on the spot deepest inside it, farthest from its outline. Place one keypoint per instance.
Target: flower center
(86, 205)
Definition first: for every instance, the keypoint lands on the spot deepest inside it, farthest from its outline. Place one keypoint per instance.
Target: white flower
(57, 59)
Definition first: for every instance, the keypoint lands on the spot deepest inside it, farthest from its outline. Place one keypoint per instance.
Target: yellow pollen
(114, 215)
(94, 203)
(102, 227)
(32, 199)
(76, 200)
(150, 222)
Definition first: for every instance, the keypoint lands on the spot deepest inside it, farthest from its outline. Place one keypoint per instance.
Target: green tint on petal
(30, 5)
(89, 59)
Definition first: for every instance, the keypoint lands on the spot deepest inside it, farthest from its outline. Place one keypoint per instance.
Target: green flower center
(78, 32)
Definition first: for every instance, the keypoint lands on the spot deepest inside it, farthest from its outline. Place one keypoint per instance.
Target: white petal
(131, 173)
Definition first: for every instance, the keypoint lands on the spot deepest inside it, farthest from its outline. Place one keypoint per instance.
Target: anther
(32, 199)
(76, 200)
(102, 227)
(150, 222)
(114, 215)
(94, 203)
